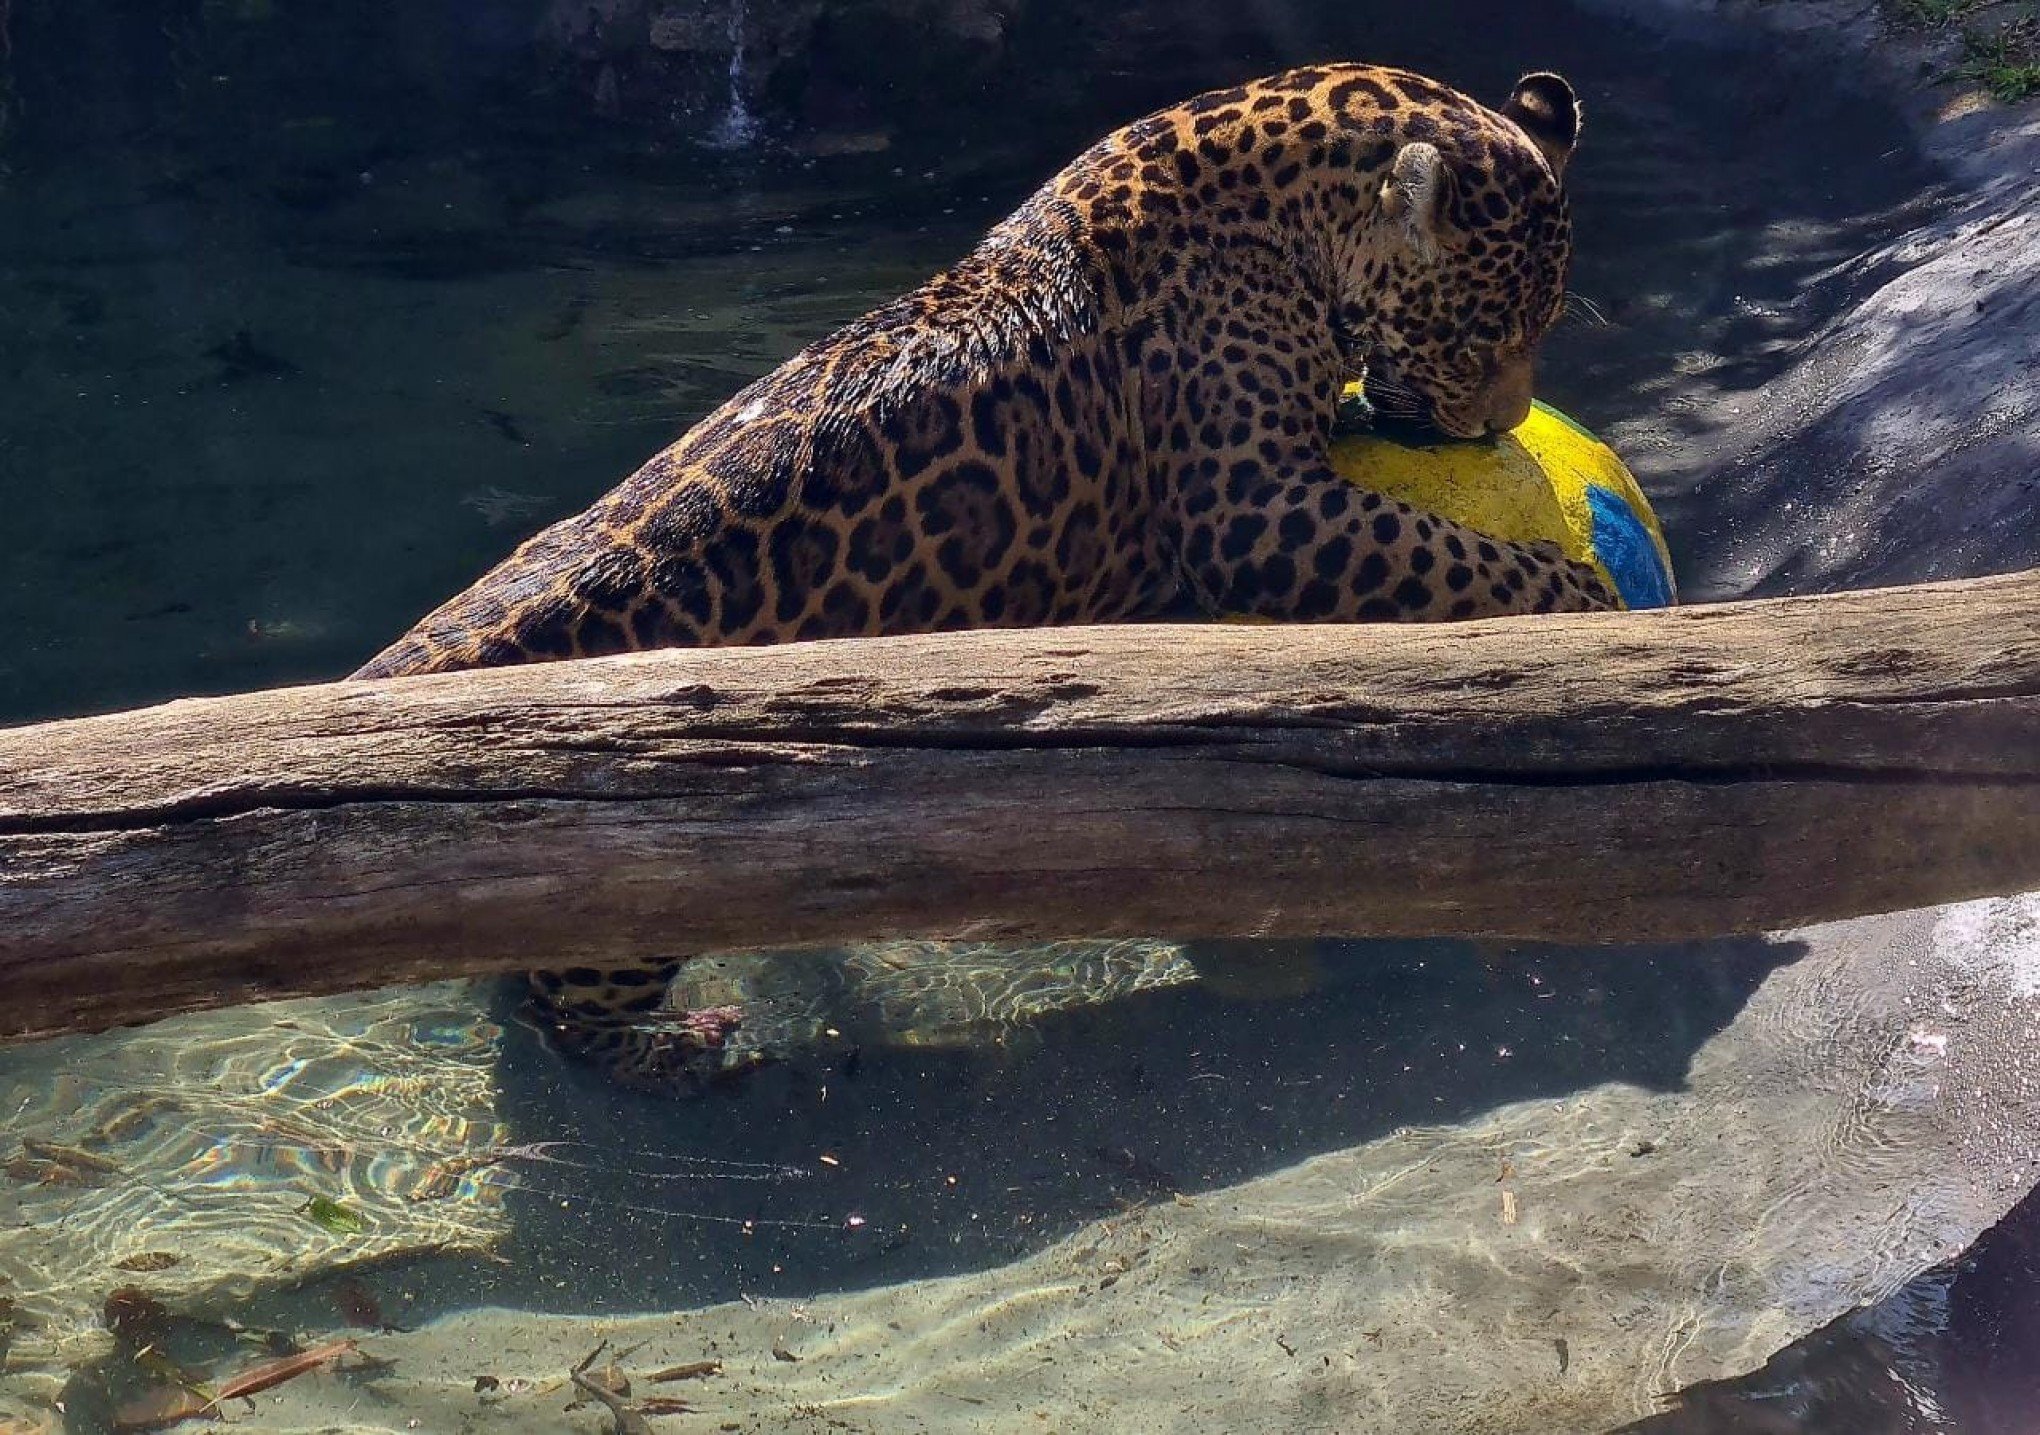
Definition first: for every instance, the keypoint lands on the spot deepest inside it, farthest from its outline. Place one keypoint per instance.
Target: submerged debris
(628, 1418)
(161, 1406)
(134, 1316)
(692, 1370)
(359, 1307)
(70, 1156)
(176, 1398)
(272, 1373)
(47, 1163)
(664, 1405)
(330, 1216)
(145, 1262)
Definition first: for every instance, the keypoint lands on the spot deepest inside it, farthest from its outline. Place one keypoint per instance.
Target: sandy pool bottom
(1554, 1265)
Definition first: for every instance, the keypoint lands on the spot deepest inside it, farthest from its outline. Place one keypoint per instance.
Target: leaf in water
(160, 1407)
(272, 1373)
(38, 1171)
(72, 1156)
(692, 1370)
(330, 1215)
(148, 1261)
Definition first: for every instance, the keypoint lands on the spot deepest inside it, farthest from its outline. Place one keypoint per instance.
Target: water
(289, 363)
(737, 128)
(289, 366)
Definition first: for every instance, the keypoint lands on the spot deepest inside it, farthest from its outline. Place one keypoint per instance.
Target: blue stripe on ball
(1627, 551)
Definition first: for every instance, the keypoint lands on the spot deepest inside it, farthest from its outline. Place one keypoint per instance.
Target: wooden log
(1616, 777)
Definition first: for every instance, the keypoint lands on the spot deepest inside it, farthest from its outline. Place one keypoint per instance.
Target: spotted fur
(1116, 407)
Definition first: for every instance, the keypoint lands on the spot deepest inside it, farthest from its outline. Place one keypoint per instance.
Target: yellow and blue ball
(1548, 479)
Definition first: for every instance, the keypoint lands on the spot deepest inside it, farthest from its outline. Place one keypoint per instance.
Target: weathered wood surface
(1618, 777)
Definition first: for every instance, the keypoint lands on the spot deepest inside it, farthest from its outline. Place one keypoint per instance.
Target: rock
(978, 22)
(589, 27)
(1907, 430)
(693, 29)
(849, 66)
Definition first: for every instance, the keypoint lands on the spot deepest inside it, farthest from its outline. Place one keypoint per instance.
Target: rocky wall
(718, 68)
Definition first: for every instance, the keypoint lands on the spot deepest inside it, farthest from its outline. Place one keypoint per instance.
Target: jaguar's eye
(1478, 366)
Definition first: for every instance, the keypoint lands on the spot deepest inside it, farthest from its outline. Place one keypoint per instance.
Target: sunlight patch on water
(207, 1157)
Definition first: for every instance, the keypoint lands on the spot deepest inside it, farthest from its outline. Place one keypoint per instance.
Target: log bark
(1618, 777)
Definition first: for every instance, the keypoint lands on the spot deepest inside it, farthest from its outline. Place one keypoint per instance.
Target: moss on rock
(1993, 44)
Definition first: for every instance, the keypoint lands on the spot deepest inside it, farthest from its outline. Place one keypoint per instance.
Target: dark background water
(307, 320)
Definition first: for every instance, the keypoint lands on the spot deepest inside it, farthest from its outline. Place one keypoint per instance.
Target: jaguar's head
(1470, 244)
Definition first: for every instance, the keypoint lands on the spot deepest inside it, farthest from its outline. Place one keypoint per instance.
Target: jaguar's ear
(1545, 108)
(1411, 195)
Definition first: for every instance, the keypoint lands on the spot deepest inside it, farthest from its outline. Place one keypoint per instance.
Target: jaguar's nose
(1508, 416)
